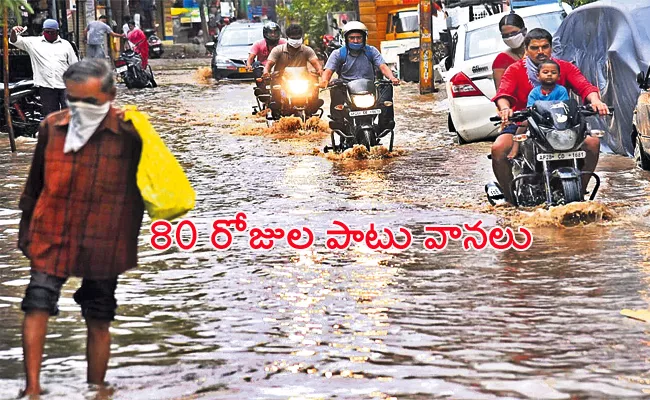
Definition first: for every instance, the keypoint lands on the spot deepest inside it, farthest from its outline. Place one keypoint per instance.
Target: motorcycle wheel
(367, 138)
(571, 189)
(641, 158)
(151, 77)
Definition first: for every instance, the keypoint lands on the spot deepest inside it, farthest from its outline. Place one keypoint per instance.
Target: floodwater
(543, 323)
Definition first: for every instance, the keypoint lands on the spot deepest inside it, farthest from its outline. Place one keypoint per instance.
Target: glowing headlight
(363, 100)
(297, 87)
(562, 140)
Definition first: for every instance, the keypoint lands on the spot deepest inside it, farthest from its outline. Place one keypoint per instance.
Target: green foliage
(13, 7)
(578, 3)
(312, 15)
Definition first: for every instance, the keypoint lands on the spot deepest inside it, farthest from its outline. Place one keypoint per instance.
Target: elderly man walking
(95, 34)
(50, 56)
(82, 212)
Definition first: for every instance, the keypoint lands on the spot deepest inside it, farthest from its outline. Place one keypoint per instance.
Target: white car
(468, 80)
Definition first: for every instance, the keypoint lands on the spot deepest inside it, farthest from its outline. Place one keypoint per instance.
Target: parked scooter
(297, 90)
(547, 168)
(361, 113)
(129, 67)
(24, 107)
(155, 44)
(330, 43)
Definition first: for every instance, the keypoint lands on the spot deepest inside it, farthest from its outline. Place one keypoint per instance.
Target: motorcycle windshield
(361, 86)
(559, 115)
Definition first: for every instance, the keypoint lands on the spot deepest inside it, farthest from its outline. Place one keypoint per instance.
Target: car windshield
(487, 40)
(409, 21)
(240, 37)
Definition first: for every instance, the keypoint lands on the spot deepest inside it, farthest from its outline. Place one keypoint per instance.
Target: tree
(312, 14)
(204, 22)
(7, 6)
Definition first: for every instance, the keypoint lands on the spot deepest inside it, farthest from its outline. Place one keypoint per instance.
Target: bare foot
(104, 392)
(31, 394)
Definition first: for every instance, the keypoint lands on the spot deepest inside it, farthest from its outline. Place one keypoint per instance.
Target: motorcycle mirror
(339, 107)
(520, 138)
(640, 79)
(597, 133)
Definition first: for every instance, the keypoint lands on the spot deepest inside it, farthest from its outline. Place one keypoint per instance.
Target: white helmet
(355, 26)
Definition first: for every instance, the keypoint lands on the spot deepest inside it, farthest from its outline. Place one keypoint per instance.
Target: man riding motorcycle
(292, 54)
(358, 60)
(516, 84)
(261, 50)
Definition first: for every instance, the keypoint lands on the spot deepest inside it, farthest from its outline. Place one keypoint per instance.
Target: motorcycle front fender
(566, 173)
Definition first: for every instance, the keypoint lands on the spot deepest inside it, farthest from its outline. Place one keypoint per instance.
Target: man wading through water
(82, 212)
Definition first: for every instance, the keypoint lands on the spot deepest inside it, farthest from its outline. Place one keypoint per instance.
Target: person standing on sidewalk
(82, 213)
(95, 36)
(50, 56)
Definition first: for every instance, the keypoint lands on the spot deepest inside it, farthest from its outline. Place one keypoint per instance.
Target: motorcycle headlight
(298, 87)
(562, 139)
(363, 100)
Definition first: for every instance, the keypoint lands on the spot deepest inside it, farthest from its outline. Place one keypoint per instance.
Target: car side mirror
(209, 46)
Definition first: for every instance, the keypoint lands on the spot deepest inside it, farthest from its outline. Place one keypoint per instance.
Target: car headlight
(222, 60)
(363, 100)
(562, 139)
(298, 87)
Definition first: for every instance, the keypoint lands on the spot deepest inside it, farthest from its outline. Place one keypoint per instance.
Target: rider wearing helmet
(261, 50)
(358, 61)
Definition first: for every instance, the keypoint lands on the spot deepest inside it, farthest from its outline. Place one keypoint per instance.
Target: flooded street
(349, 324)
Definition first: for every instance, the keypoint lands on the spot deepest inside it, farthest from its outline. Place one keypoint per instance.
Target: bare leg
(592, 147)
(34, 331)
(500, 164)
(98, 350)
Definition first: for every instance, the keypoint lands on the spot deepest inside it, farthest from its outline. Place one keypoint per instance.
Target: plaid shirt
(82, 211)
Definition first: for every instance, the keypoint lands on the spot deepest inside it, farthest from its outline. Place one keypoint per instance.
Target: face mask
(355, 46)
(515, 42)
(50, 37)
(295, 43)
(84, 120)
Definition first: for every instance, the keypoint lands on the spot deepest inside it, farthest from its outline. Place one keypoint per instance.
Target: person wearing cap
(50, 56)
(95, 36)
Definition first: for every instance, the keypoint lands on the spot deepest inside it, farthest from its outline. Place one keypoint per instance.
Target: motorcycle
(547, 168)
(360, 116)
(25, 108)
(129, 67)
(155, 44)
(296, 89)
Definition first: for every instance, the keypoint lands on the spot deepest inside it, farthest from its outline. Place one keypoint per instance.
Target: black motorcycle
(360, 116)
(296, 88)
(25, 108)
(547, 168)
(129, 67)
(155, 44)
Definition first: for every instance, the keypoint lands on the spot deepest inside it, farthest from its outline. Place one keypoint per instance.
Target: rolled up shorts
(96, 297)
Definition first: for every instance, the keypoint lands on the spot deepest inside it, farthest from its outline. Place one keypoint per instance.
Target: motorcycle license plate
(561, 156)
(119, 70)
(364, 112)
(242, 70)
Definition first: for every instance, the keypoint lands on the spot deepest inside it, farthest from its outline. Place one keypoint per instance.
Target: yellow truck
(389, 19)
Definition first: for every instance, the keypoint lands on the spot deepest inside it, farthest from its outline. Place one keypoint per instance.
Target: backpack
(343, 52)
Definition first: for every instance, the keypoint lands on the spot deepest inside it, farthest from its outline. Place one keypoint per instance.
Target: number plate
(121, 69)
(364, 112)
(561, 156)
(242, 70)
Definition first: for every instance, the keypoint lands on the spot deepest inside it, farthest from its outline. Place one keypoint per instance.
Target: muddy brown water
(359, 323)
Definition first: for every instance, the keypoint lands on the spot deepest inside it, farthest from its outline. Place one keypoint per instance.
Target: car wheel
(216, 75)
(640, 156)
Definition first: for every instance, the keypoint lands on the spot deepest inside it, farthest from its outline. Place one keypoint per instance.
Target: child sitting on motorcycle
(546, 89)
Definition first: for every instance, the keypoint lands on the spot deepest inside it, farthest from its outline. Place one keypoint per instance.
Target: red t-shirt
(503, 61)
(262, 50)
(515, 85)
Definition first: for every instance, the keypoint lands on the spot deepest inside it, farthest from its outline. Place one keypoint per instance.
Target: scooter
(297, 90)
(25, 108)
(129, 67)
(155, 44)
(361, 113)
(547, 168)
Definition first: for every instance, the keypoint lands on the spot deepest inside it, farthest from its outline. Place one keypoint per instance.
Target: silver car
(231, 51)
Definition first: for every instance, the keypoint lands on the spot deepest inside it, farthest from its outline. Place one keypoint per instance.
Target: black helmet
(272, 32)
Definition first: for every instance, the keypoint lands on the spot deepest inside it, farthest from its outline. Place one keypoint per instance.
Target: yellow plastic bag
(166, 192)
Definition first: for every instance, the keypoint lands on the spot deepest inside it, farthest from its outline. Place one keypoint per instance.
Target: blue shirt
(559, 93)
(356, 67)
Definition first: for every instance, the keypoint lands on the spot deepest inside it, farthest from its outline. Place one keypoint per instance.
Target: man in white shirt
(50, 56)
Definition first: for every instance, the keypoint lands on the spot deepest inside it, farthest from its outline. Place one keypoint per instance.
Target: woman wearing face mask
(513, 31)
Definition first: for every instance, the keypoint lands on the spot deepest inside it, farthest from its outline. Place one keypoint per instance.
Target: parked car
(230, 52)
(468, 75)
(641, 123)
(609, 41)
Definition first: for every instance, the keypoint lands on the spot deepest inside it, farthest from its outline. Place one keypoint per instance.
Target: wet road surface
(356, 324)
